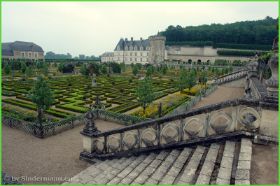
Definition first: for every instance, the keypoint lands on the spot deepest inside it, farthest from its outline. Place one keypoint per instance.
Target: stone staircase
(226, 162)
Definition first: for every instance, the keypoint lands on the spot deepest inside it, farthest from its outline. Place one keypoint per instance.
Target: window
(135, 53)
(35, 55)
(135, 48)
(131, 48)
(22, 54)
(29, 54)
(141, 48)
(126, 48)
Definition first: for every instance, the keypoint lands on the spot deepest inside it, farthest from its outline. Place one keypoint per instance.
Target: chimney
(131, 38)
(125, 39)
(141, 39)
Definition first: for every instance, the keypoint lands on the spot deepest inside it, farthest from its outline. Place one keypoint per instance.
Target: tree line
(259, 32)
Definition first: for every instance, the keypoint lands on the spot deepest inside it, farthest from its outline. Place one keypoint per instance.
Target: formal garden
(59, 91)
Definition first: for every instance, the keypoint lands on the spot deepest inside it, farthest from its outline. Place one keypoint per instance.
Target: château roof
(8, 48)
(134, 43)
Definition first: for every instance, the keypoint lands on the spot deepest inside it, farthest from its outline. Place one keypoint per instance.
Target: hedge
(236, 53)
(32, 106)
(124, 107)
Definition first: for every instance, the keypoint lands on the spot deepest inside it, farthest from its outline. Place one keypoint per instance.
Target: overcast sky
(95, 27)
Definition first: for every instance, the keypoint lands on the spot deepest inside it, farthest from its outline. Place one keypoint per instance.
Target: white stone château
(154, 51)
(151, 50)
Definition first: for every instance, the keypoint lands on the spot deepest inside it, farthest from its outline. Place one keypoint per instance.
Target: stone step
(218, 163)
(208, 165)
(161, 171)
(225, 170)
(244, 162)
(150, 168)
(176, 168)
(188, 174)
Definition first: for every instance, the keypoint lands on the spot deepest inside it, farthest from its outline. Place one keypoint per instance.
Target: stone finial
(272, 82)
(97, 104)
(90, 128)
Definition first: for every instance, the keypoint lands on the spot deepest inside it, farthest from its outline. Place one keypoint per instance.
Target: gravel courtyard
(55, 156)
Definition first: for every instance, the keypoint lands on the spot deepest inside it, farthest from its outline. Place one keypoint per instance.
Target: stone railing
(50, 128)
(231, 77)
(218, 119)
(258, 90)
(46, 129)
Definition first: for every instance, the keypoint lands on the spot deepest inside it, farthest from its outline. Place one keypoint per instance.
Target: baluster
(234, 116)
(121, 141)
(139, 138)
(181, 130)
(158, 133)
(207, 123)
(105, 144)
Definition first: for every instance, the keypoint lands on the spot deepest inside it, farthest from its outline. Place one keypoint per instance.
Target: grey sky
(92, 28)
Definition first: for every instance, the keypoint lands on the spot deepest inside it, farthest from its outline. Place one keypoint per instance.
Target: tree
(182, 80)
(191, 79)
(203, 78)
(66, 67)
(145, 93)
(28, 72)
(41, 95)
(116, 68)
(45, 69)
(135, 70)
(84, 70)
(104, 69)
(123, 66)
(94, 68)
(150, 70)
(23, 67)
(7, 69)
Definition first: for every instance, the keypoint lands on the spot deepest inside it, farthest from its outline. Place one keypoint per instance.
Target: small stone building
(22, 50)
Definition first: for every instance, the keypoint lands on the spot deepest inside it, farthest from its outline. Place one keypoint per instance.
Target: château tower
(157, 52)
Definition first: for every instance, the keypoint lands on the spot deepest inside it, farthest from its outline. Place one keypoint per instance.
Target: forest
(257, 34)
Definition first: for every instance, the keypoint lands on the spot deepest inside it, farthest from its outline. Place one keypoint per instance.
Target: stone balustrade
(218, 119)
(231, 77)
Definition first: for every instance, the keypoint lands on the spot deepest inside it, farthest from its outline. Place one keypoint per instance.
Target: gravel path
(223, 93)
(55, 156)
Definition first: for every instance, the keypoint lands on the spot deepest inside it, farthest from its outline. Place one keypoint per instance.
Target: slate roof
(138, 43)
(107, 54)
(8, 48)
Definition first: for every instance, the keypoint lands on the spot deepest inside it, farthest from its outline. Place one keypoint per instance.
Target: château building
(154, 51)
(22, 50)
(151, 50)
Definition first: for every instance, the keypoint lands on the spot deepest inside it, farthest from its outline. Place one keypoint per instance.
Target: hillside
(257, 34)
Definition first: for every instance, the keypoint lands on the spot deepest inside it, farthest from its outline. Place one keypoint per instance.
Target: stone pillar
(272, 82)
(89, 133)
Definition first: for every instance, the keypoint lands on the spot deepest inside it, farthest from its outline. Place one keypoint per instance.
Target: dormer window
(131, 48)
(118, 48)
(135, 48)
(126, 48)
(141, 48)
